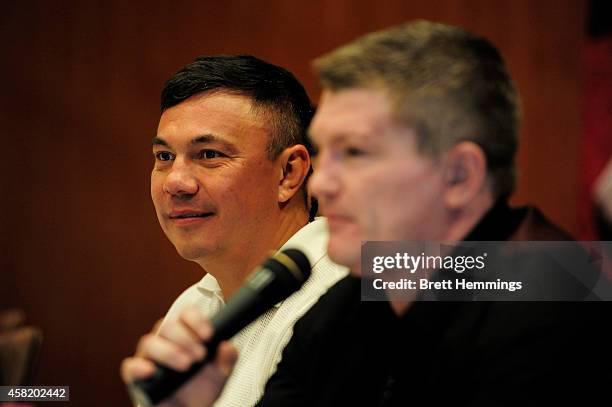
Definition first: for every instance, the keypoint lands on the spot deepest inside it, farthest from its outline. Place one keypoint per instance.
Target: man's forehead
(207, 118)
(356, 96)
(351, 113)
(212, 103)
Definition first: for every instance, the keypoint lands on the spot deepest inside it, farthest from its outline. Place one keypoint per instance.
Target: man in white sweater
(228, 185)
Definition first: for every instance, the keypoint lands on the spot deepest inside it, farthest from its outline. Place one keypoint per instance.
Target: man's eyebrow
(203, 139)
(206, 138)
(159, 142)
(334, 139)
(211, 138)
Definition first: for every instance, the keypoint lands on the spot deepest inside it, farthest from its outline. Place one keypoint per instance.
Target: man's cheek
(370, 223)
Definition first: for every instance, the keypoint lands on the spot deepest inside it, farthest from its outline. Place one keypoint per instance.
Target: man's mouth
(191, 215)
(337, 219)
(175, 215)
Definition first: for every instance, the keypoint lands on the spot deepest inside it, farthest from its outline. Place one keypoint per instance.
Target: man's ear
(295, 164)
(465, 174)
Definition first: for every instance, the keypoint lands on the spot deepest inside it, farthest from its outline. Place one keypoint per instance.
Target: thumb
(206, 386)
(227, 355)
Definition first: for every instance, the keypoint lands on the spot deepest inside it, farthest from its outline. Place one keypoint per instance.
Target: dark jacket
(345, 352)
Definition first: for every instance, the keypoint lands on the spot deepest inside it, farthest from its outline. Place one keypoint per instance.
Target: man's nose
(181, 180)
(324, 183)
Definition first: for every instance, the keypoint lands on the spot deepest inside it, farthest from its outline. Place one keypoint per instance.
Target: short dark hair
(446, 83)
(271, 88)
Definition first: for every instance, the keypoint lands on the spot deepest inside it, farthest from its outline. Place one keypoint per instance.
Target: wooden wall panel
(81, 250)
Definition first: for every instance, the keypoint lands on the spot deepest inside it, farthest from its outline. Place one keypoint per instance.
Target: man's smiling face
(213, 185)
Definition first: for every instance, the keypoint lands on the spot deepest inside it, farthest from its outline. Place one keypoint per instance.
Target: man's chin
(191, 253)
(346, 255)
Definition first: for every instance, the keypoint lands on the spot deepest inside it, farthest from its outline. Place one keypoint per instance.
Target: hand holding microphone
(188, 367)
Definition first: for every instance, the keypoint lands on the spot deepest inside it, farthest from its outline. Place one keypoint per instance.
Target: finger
(164, 352)
(181, 335)
(192, 317)
(134, 368)
(157, 325)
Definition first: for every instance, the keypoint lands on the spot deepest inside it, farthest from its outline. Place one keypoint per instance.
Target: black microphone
(276, 279)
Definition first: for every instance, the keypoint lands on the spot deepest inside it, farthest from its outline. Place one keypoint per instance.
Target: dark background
(81, 250)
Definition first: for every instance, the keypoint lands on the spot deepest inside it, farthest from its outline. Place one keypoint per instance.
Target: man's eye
(210, 154)
(352, 152)
(164, 156)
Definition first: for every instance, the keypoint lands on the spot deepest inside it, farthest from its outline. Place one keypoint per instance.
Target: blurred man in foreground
(417, 131)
